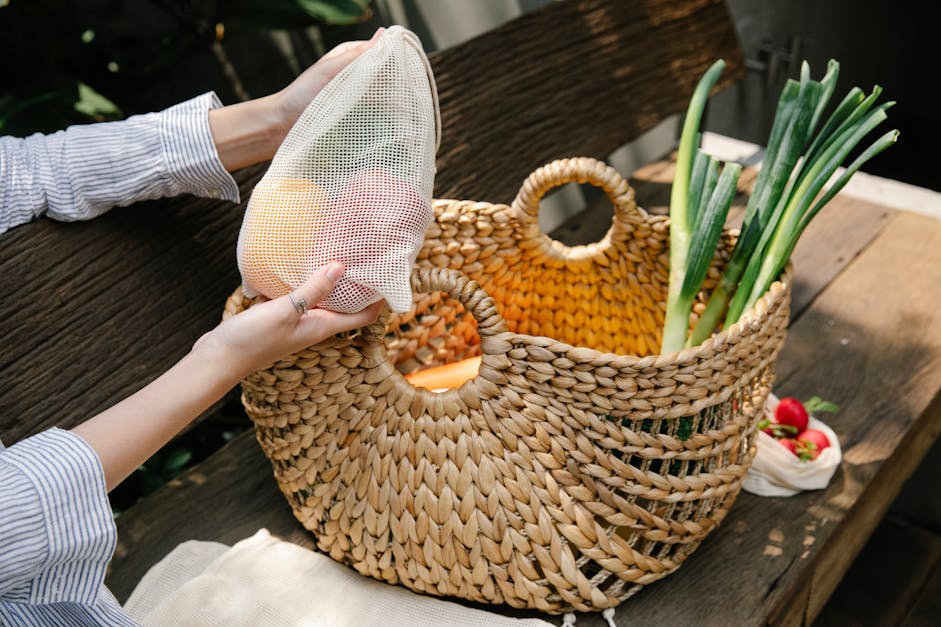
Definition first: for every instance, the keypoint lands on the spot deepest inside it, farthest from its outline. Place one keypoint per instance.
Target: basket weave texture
(578, 466)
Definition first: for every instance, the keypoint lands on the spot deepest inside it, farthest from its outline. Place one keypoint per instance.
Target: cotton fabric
(57, 534)
(81, 172)
(776, 471)
(270, 582)
(352, 182)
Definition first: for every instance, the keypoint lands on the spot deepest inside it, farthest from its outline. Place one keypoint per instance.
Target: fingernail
(377, 34)
(335, 271)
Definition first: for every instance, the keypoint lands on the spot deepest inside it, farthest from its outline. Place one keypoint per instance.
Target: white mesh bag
(352, 182)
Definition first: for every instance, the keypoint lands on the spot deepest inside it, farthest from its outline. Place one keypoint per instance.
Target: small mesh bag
(352, 182)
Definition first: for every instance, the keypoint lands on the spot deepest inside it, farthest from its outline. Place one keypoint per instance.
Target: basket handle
(467, 292)
(490, 325)
(580, 170)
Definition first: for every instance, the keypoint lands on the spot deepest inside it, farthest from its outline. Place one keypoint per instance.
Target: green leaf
(10, 107)
(709, 226)
(288, 14)
(176, 461)
(829, 84)
(336, 11)
(94, 105)
(836, 119)
(877, 146)
(702, 164)
(817, 405)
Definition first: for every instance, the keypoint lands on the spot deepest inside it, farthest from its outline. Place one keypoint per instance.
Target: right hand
(272, 330)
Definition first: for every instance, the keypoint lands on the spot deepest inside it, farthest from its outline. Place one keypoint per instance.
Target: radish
(791, 412)
(814, 441)
(790, 445)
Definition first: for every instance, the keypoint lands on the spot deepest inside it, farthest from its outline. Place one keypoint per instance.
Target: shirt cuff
(79, 527)
(192, 159)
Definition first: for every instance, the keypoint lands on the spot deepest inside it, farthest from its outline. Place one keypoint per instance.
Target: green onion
(797, 208)
(796, 168)
(699, 203)
(799, 107)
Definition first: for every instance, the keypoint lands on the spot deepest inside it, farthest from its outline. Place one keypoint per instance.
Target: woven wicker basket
(578, 466)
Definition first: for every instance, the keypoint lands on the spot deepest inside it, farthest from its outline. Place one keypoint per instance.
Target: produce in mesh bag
(352, 182)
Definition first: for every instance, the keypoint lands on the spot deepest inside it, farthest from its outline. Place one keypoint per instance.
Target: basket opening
(437, 331)
(561, 204)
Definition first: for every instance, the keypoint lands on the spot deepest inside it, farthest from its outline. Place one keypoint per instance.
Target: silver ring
(300, 305)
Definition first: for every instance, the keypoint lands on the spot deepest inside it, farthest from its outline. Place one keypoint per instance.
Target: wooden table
(865, 333)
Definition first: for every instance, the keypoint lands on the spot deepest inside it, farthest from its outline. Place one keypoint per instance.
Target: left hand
(273, 329)
(293, 99)
(251, 132)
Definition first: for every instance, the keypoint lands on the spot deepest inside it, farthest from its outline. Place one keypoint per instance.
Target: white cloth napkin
(776, 471)
(265, 581)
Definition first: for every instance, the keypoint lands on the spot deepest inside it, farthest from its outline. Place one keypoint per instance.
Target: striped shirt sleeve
(57, 532)
(81, 172)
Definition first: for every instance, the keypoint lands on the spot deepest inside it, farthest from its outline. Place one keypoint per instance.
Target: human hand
(251, 132)
(272, 330)
(293, 99)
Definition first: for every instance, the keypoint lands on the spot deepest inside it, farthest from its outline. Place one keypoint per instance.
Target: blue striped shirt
(57, 533)
(81, 172)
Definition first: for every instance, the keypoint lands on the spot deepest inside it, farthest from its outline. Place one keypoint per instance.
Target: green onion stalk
(785, 144)
(800, 203)
(699, 203)
(785, 196)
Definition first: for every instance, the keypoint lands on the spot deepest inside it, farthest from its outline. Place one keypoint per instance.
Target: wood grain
(887, 579)
(928, 607)
(576, 78)
(99, 309)
(871, 341)
(96, 310)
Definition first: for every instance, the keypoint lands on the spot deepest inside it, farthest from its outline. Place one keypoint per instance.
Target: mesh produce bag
(352, 182)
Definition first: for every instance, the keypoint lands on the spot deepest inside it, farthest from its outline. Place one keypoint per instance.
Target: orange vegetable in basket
(446, 377)
(281, 222)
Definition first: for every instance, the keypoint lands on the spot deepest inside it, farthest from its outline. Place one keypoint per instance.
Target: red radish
(790, 445)
(815, 441)
(791, 412)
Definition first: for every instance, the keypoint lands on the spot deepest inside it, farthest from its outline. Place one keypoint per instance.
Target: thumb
(318, 286)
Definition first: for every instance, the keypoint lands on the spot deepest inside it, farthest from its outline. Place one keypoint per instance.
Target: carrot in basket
(446, 377)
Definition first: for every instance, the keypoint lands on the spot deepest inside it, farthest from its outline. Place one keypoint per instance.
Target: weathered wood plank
(96, 310)
(886, 580)
(571, 79)
(224, 498)
(927, 608)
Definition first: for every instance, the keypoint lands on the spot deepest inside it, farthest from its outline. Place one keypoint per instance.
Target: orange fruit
(276, 244)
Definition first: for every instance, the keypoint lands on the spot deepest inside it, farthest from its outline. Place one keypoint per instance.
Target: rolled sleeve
(191, 154)
(58, 530)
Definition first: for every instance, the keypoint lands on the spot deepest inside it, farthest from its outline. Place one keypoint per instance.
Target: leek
(699, 203)
(796, 107)
(789, 190)
(797, 208)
